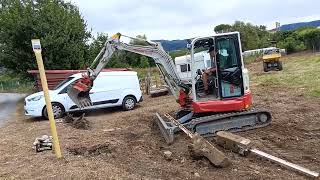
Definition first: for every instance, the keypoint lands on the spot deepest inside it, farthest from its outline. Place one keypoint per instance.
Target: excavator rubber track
(233, 122)
(210, 125)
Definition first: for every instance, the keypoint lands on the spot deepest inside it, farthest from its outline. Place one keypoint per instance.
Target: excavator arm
(79, 91)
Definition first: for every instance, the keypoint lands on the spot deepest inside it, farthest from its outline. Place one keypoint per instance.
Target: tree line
(255, 37)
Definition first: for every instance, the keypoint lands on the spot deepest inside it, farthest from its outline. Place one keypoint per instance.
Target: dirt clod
(197, 175)
(78, 123)
(95, 150)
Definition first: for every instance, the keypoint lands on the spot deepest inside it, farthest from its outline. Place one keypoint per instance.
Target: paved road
(8, 102)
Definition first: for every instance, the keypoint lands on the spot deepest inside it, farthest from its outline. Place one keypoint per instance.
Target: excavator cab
(223, 79)
(226, 104)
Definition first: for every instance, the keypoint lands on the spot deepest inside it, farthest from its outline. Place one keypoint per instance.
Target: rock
(168, 155)
(197, 175)
(109, 130)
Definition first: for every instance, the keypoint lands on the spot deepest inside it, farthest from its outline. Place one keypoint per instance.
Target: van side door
(105, 91)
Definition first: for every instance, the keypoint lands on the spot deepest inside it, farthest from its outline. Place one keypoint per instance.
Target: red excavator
(215, 99)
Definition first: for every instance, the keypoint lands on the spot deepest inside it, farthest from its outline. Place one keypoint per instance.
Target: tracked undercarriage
(210, 125)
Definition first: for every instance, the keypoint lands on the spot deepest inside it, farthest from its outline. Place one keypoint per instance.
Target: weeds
(301, 73)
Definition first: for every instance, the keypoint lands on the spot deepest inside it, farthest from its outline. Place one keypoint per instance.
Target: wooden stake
(37, 50)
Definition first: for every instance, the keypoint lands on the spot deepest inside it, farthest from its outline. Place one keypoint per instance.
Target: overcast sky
(180, 19)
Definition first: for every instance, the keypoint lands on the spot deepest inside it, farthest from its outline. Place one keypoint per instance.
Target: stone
(168, 155)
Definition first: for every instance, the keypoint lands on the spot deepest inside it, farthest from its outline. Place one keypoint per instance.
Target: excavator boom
(79, 92)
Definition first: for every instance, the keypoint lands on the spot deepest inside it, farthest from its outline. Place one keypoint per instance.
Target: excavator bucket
(167, 129)
(79, 92)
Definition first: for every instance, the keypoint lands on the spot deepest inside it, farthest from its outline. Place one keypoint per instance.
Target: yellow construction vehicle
(271, 60)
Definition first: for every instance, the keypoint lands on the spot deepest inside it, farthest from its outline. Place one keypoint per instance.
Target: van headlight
(37, 98)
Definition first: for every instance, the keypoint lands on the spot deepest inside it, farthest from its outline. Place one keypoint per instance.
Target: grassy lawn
(11, 83)
(252, 58)
(301, 73)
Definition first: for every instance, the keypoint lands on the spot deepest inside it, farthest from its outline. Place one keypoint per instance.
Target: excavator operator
(210, 70)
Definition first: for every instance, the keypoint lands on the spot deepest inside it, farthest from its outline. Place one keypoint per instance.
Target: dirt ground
(128, 145)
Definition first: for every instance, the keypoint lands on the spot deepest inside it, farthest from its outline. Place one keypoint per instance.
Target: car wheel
(58, 111)
(128, 103)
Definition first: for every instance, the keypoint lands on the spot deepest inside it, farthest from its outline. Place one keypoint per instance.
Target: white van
(202, 61)
(114, 88)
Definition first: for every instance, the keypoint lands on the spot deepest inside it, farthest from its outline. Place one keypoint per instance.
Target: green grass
(10, 82)
(315, 93)
(143, 72)
(251, 58)
(301, 74)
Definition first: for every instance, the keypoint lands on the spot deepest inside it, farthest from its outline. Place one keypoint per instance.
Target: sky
(181, 19)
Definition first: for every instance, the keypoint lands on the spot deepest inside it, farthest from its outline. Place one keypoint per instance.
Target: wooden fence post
(156, 79)
(147, 84)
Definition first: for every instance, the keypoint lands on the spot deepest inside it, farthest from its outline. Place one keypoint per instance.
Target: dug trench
(128, 144)
(139, 146)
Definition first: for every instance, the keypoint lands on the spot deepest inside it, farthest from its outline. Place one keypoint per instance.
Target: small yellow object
(272, 57)
(36, 46)
(116, 36)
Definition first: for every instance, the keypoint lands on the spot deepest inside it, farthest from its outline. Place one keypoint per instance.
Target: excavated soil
(128, 145)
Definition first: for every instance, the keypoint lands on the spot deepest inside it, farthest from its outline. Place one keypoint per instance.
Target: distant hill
(171, 45)
(295, 26)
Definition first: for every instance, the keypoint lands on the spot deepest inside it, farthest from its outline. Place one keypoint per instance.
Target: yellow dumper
(271, 60)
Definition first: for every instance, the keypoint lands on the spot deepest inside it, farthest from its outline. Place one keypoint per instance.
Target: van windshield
(63, 82)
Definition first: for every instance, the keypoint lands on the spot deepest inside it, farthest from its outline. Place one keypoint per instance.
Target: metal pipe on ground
(244, 146)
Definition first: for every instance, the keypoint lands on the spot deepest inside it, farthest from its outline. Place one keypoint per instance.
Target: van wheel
(128, 103)
(58, 111)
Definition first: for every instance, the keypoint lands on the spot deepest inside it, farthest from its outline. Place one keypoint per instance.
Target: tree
(222, 28)
(311, 37)
(291, 44)
(95, 47)
(144, 62)
(129, 59)
(58, 24)
(252, 37)
(140, 40)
